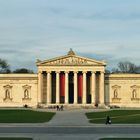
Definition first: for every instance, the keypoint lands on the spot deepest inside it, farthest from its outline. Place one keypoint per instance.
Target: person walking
(108, 120)
(62, 107)
(57, 108)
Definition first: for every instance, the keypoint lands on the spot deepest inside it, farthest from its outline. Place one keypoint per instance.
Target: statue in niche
(7, 94)
(26, 94)
(134, 94)
(115, 93)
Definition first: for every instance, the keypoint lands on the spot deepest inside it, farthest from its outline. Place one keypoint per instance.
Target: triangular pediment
(71, 60)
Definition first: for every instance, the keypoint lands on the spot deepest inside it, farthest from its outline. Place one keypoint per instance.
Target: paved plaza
(70, 118)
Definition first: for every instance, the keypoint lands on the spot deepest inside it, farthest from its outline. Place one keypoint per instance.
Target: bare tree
(126, 67)
(115, 70)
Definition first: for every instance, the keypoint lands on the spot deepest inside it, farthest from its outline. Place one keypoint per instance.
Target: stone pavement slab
(69, 118)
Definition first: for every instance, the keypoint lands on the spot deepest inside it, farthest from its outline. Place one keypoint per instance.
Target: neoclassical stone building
(70, 80)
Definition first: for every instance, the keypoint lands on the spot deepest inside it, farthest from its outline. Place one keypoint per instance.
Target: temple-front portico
(71, 79)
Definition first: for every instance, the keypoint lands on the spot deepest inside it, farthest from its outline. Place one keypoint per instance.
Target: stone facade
(70, 80)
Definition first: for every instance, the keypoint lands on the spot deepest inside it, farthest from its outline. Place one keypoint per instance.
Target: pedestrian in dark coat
(108, 120)
(62, 107)
(57, 107)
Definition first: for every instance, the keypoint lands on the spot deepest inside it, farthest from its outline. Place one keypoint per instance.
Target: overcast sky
(43, 29)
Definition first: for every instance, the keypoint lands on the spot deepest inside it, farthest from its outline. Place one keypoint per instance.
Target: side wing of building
(122, 90)
(17, 90)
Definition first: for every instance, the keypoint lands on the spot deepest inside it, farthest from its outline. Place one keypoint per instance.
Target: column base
(101, 105)
(48, 103)
(66, 103)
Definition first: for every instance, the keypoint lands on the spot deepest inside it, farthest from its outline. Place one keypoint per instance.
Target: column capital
(84, 72)
(102, 72)
(75, 72)
(48, 71)
(39, 72)
(93, 72)
(57, 72)
(66, 71)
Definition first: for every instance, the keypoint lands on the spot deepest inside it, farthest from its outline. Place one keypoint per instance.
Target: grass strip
(24, 116)
(117, 116)
(16, 138)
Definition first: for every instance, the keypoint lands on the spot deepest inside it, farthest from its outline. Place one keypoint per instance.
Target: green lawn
(24, 116)
(117, 116)
(120, 139)
(16, 139)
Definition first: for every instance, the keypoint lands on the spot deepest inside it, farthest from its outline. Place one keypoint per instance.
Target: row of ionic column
(84, 88)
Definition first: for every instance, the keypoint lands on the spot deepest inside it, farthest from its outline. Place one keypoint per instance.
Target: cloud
(113, 14)
(56, 10)
(46, 29)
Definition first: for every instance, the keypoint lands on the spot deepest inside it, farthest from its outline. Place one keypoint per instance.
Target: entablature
(68, 68)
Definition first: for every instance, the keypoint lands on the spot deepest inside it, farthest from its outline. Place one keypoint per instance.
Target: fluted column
(57, 87)
(84, 99)
(75, 88)
(101, 93)
(48, 87)
(40, 78)
(66, 87)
